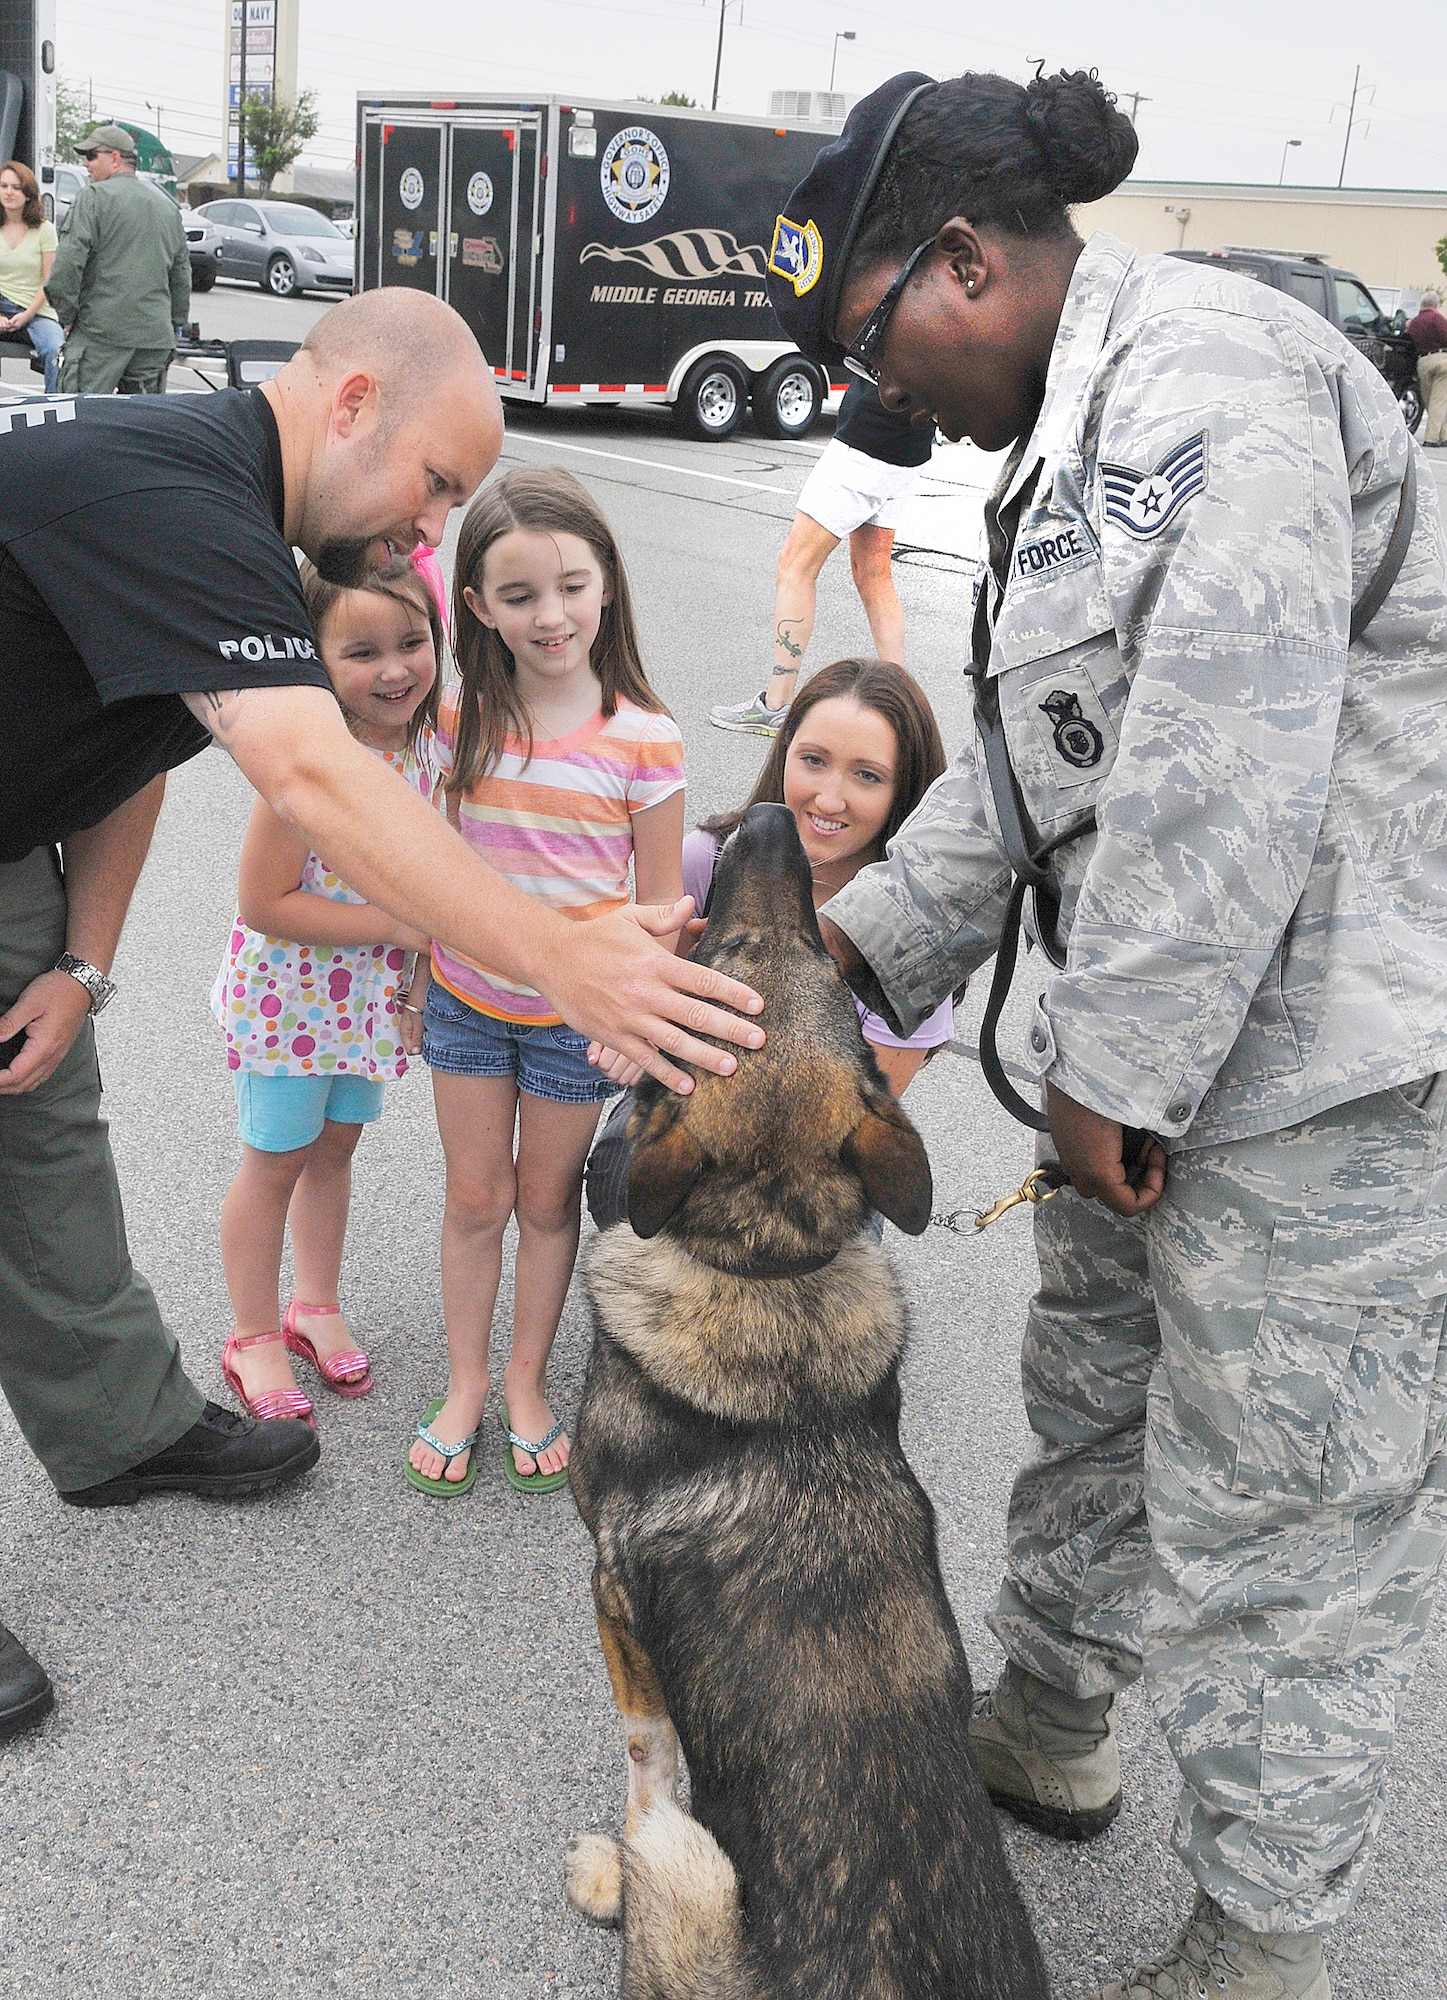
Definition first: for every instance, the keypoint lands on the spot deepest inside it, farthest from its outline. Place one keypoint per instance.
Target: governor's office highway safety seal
(633, 174)
(411, 188)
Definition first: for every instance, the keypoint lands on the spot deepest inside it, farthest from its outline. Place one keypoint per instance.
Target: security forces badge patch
(797, 254)
(1144, 503)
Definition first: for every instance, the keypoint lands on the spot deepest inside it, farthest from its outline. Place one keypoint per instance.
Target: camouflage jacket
(1259, 929)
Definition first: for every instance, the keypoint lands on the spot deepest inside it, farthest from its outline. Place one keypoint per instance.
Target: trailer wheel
(712, 400)
(787, 399)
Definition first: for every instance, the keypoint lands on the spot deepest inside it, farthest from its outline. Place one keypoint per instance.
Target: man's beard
(348, 563)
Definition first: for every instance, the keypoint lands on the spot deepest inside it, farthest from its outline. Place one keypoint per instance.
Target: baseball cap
(822, 217)
(107, 139)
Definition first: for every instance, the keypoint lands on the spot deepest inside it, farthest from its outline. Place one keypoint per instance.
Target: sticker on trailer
(479, 193)
(484, 253)
(407, 247)
(411, 188)
(634, 174)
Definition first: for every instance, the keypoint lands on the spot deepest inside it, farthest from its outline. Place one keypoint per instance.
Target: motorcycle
(1399, 366)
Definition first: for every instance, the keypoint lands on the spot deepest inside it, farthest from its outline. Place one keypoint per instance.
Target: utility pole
(1351, 114)
(241, 108)
(1137, 98)
(718, 59)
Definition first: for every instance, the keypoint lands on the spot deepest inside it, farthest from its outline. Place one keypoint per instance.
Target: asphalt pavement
(336, 1740)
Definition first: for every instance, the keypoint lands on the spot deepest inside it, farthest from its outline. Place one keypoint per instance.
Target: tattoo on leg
(783, 639)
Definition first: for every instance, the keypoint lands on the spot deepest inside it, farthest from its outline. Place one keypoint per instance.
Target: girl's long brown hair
(403, 585)
(32, 215)
(539, 500)
(891, 693)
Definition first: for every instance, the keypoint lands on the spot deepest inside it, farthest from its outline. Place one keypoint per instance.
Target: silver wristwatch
(101, 990)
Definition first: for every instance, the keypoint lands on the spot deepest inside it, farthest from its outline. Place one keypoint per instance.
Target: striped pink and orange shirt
(559, 827)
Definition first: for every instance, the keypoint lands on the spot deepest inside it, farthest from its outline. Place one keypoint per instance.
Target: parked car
(1339, 296)
(284, 247)
(68, 183)
(203, 240)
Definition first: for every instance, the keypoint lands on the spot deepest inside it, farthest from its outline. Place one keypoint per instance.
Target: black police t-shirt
(141, 558)
(865, 425)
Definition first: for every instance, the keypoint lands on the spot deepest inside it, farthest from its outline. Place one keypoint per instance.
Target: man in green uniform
(121, 281)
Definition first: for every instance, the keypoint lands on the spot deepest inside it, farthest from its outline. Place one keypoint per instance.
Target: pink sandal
(337, 1366)
(272, 1402)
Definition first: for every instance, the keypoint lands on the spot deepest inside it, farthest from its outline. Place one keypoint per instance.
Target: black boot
(222, 1456)
(25, 1691)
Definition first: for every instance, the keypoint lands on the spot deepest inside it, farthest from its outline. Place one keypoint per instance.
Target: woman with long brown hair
(856, 753)
(28, 244)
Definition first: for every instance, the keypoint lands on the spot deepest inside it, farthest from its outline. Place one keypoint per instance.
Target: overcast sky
(1225, 83)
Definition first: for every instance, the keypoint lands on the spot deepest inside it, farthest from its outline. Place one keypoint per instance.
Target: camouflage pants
(1241, 1482)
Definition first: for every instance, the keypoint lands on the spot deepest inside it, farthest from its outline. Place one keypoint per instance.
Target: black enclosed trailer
(602, 253)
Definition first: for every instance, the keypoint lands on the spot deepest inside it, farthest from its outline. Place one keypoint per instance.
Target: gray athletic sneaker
(1216, 1955)
(753, 717)
(1048, 1758)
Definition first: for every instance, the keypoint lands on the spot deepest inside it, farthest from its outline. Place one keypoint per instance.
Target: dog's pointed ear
(665, 1165)
(893, 1167)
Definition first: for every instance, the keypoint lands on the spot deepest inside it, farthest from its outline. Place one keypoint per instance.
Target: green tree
(72, 117)
(679, 97)
(1442, 253)
(276, 132)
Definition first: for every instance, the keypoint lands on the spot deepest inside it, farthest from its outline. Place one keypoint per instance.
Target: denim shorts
(547, 1062)
(280, 1114)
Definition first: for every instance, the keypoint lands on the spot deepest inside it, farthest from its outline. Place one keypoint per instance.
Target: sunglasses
(862, 355)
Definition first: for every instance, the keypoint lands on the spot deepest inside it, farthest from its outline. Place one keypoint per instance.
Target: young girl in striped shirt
(562, 766)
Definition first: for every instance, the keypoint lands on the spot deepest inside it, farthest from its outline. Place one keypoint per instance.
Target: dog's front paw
(593, 1877)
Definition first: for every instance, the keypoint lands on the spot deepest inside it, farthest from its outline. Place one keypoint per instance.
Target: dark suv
(1339, 296)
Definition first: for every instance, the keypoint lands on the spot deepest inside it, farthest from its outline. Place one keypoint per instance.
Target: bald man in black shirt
(149, 602)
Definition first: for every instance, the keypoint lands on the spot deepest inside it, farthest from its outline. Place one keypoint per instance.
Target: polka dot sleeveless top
(319, 1010)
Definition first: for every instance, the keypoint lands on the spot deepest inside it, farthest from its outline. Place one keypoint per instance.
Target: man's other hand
(49, 1013)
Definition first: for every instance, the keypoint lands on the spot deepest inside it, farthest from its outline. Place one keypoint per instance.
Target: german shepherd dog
(767, 1587)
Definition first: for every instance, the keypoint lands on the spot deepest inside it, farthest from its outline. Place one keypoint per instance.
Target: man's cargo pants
(1241, 1481)
(86, 1364)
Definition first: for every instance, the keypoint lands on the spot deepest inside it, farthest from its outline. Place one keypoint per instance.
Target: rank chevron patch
(1143, 503)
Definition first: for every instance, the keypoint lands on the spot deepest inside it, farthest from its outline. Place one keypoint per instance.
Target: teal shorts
(280, 1114)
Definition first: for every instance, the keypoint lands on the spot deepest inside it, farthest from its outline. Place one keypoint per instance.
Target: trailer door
(491, 229)
(410, 200)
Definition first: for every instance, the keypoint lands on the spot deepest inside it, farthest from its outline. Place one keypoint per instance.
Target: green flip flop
(441, 1489)
(531, 1482)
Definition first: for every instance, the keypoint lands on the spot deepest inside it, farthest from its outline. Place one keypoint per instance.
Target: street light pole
(1281, 177)
(844, 35)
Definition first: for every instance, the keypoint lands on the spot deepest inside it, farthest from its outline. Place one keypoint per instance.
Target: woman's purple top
(700, 852)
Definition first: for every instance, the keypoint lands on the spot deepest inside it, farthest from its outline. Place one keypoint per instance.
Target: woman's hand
(1090, 1149)
(616, 1068)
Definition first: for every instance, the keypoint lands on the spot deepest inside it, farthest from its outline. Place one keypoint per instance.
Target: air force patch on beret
(1143, 503)
(797, 254)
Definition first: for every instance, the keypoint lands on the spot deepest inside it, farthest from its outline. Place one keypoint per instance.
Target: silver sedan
(281, 246)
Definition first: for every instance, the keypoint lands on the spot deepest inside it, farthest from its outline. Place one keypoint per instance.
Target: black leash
(1027, 858)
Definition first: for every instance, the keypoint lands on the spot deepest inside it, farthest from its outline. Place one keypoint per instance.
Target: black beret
(816, 232)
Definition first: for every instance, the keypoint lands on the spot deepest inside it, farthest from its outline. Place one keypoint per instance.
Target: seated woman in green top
(27, 250)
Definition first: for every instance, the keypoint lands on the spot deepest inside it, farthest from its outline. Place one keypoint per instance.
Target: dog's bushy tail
(682, 1922)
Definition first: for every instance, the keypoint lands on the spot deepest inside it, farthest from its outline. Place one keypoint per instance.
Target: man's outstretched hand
(618, 982)
(1089, 1147)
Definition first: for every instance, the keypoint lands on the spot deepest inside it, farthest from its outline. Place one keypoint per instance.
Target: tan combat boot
(1049, 1758)
(1215, 1958)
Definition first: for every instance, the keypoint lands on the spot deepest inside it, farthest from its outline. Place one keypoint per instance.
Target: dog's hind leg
(652, 1740)
(683, 1923)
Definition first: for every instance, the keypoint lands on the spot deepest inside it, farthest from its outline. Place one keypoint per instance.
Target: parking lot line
(654, 464)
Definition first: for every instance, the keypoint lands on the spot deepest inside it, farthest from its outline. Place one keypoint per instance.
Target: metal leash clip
(1043, 1184)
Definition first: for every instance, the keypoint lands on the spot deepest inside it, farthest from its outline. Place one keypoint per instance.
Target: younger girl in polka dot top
(316, 1002)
